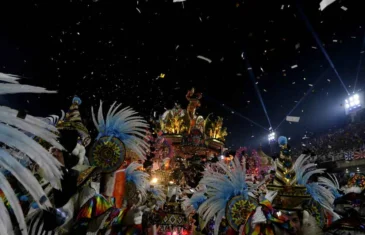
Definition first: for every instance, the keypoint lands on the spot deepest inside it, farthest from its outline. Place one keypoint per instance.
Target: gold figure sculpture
(194, 103)
(215, 130)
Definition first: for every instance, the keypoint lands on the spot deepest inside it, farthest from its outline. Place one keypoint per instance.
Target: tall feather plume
(222, 184)
(12, 134)
(125, 125)
(320, 193)
(139, 178)
(25, 177)
(331, 183)
(14, 203)
(6, 226)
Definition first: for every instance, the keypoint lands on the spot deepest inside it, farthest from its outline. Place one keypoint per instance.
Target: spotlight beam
(252, 76)
(360, 62)
(303, 97)
(235, 112)
(319, 43)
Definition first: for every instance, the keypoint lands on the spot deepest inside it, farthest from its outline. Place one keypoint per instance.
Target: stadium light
(271, 136)
(353, 102)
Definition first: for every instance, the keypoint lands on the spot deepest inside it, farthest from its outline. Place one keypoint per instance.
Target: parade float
(183, 143)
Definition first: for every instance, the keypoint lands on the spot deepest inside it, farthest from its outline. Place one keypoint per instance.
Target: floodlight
(353, 103)
(271, 136)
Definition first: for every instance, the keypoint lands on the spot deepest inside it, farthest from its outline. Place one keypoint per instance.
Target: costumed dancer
(194, 103)
(279, 211)
(13, 126)
(121, 131)
(350, 206)
(294, 193)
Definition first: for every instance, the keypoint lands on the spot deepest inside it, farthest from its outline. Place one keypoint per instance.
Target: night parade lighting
(271, 136)
(353, 102)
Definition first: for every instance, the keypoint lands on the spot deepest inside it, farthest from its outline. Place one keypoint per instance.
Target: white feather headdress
(12, 134)
(125, 125)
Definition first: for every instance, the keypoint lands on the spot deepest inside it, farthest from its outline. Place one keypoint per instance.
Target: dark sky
(114, 51)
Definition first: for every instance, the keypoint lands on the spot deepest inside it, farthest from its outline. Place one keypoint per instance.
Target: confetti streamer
(178, 0)
(292, 119)
(344, 8)
(325, 3)
(294, 66)
(204, 58)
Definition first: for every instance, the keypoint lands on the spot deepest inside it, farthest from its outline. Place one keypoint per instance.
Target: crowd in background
(332, 146)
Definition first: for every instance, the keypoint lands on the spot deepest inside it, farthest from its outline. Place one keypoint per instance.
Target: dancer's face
(58, 155)
(295, 223)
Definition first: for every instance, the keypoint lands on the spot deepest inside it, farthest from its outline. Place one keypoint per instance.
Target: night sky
(116, 51)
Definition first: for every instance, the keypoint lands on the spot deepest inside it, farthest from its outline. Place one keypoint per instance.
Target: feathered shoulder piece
(137, 177)
(223, 183)
(125, 125)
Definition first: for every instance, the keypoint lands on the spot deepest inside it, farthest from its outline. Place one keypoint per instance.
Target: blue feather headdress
(320, 191)
(125, 125)
(223, 183)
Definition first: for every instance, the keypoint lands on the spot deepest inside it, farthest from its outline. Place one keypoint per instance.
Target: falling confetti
(325, 3)
(204, 58)
(294, 66)
(344, 8)
(139, 11)
(310, 84)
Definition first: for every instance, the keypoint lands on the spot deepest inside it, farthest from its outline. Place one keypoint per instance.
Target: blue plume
(77, 100)
(282, 140)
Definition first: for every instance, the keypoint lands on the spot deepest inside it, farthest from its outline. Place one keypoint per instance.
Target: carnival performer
(350, 206)
(280, 211)
(194, 103)
(14, 144)
(83, 205)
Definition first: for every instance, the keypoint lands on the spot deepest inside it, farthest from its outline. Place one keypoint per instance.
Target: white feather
(24, 176)
(16, 139)
(45, 134)
(14, 203)
(17, 88)
(29, 119)
(6, 227)
(9, 78)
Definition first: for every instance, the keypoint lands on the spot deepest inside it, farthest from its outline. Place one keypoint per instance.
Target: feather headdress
(12, 134)
(125, 125)
(223, 183)
(318, 191)
(137, 177)
(157, 194)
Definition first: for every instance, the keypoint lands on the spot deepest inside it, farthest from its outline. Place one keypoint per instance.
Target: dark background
(107, 50)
